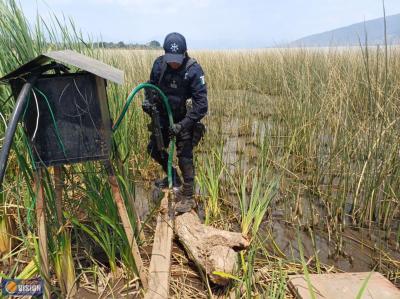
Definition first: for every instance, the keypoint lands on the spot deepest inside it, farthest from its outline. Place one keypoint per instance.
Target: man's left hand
(146, 106)
(174, 130)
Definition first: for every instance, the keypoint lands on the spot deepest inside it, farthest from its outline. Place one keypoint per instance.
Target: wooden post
(139, 226)
(160, 264)
(58, 185)
(131, 200)
(42, 232)
(119, 201)
(67, 284)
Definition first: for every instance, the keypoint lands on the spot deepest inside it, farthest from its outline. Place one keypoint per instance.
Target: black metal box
(73, 124)
(67, 116)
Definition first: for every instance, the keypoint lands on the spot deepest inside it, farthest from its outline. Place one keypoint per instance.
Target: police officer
(180, 78)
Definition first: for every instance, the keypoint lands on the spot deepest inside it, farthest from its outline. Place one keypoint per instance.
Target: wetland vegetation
(301, 154)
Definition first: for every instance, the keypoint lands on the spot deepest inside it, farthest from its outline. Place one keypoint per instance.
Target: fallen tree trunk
(210, 248)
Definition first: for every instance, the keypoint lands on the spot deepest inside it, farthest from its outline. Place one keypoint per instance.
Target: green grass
(209, 178)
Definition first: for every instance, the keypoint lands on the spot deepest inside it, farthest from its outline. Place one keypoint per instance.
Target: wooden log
(160, 264)
(210, 248)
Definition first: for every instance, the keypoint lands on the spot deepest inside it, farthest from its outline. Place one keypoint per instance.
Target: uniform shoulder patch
(202, 80)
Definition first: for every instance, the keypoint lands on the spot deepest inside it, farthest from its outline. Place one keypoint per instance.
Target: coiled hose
(170, 119)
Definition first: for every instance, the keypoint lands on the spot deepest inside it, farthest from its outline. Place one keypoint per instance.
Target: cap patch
(174, 48)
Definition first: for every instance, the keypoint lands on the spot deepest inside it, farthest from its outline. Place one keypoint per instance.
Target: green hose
(170, 118)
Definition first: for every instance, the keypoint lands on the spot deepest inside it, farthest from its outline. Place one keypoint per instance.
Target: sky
(210, 24)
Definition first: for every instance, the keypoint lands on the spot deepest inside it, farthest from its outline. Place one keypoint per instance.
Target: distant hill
(353, 34)
(121, 45)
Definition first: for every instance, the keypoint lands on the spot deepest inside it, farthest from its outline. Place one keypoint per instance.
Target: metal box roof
(72, 58)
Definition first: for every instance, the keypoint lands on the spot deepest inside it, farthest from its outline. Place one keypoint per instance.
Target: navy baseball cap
(175, 47)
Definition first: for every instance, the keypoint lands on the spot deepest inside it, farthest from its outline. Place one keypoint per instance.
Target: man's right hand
(174, 130)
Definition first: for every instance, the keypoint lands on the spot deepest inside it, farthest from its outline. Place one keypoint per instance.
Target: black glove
(175, 129)
(146, 106)
(152, 95)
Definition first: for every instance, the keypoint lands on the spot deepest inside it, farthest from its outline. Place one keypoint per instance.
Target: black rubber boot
(163, 183)
(184, 197)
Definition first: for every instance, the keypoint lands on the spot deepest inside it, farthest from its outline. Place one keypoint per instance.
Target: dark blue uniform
(179, 85)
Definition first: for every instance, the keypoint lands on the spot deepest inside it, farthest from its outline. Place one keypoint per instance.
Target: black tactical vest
(175, 85)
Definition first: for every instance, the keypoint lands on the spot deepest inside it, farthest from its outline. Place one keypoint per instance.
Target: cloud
(148, 7)
(154, 6)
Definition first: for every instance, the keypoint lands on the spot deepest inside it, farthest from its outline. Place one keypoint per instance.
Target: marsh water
(296, 217)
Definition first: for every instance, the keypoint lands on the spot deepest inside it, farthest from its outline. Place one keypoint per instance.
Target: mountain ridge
(355, 34)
